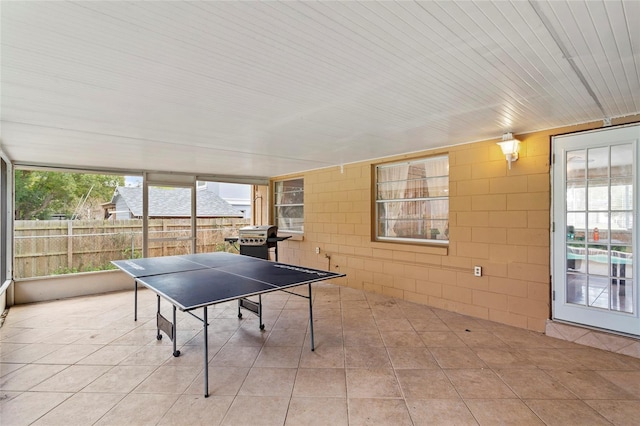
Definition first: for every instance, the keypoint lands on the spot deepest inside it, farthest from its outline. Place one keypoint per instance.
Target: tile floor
(378, 361)
(595, 338)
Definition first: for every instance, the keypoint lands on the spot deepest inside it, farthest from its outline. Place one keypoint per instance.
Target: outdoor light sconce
(509, 147)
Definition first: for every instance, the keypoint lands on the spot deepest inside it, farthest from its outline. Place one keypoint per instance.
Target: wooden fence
(54, 247)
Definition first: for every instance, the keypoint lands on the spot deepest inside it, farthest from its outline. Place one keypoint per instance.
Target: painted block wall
(499, 219)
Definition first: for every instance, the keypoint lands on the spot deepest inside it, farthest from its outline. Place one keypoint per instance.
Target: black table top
(197, 280)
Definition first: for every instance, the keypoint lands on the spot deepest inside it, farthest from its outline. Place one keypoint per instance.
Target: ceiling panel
(270, 88)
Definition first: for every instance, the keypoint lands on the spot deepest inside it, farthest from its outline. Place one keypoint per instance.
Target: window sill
(441, 249)
(294, 236)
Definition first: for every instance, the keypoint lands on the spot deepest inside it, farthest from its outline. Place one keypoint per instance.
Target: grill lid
(256, 235)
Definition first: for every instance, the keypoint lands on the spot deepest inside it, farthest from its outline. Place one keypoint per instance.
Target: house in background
(236, 194)
(126, 203)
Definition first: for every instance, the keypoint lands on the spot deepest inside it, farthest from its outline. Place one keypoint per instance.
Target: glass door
(595, 206)
(169, 208)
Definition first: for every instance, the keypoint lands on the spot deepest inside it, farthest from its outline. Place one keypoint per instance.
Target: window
(289, 205)
(412, 200)
(79, 221)
(60, 223)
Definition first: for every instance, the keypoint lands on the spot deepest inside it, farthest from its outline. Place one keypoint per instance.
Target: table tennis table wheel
(159, 337)
(176, 353)
(239, 315)
(261, 326)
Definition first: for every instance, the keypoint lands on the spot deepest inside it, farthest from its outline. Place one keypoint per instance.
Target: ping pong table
(195, 281)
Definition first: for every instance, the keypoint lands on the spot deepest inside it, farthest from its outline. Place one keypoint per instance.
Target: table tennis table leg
(158, 335)
(206, 354)
(135, 300)
(163, 324)
(250, 305)
(175, 332)
(311, 318)
(261, 324)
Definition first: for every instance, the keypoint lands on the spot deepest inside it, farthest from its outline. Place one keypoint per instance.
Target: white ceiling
(270, 88)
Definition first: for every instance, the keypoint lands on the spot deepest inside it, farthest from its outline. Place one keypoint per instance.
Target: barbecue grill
(255, 241)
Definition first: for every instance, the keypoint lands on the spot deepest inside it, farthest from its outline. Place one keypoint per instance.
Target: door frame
(557, 250)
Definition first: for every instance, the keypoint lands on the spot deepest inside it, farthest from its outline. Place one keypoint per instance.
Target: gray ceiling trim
(565, 52)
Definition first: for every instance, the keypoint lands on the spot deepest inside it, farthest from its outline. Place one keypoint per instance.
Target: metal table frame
(170, 329)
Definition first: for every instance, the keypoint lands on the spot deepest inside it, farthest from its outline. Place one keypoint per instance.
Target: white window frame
(442, 237)
(277, 204)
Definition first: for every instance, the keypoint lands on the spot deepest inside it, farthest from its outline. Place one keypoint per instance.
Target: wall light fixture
(510, 147)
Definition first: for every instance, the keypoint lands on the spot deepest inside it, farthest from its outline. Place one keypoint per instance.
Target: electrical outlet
(477, 271)
(317, 250)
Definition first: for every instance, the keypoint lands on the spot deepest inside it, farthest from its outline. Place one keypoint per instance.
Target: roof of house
(175, 202)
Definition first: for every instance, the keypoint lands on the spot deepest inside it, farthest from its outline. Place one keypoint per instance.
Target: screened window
(412, 200)
(61, 223)
(71, 222)
(289, 205)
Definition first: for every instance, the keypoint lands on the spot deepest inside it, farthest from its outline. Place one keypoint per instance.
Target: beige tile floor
(378, 361)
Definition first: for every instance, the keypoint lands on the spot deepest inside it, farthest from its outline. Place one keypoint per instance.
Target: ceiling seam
(565, 52)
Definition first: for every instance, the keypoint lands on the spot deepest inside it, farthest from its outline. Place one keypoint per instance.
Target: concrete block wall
(499, 219)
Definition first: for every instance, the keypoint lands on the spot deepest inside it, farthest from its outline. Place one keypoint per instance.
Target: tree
(40, 194)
